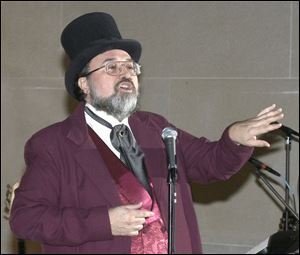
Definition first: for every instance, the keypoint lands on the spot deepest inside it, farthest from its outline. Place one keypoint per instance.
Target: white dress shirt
(102, 131)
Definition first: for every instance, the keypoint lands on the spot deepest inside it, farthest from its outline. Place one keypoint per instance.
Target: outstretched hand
(246, 132)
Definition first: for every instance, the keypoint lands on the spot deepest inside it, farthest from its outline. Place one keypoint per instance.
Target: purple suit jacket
(66, 190)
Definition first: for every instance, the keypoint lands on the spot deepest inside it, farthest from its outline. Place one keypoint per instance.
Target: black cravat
(130, 153)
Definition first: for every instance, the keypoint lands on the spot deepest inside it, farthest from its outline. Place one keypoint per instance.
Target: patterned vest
(153, 238)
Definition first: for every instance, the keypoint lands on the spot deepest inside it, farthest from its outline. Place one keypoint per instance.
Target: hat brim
(132, 47)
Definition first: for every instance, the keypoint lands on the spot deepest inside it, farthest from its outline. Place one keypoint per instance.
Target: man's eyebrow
(108, 59)
(113, 59)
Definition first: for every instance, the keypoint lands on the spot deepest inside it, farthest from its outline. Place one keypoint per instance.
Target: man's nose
(126, 73)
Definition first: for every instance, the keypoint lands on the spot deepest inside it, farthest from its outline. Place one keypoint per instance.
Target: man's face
(115, 94)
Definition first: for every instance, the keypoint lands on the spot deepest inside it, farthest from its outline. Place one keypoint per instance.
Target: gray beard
(119, 105)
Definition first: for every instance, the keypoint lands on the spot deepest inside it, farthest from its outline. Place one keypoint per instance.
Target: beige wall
(206, 64)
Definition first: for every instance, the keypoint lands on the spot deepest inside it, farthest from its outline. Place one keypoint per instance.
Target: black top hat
(89, 35)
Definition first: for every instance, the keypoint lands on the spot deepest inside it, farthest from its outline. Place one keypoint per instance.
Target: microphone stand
(278, 242)
(289, 135)
(172, 176)
(21, 246)
(280, 198)
(287, 178)
(169, 135)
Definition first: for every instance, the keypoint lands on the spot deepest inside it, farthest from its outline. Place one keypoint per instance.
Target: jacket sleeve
(36, 212)
(206, 161)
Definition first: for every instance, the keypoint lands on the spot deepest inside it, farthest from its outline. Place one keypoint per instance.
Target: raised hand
(246, 132)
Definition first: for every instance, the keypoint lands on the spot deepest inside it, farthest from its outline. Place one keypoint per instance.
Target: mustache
(124, 80)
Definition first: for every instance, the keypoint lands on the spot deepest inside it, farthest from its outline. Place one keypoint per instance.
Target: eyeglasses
(116, 68)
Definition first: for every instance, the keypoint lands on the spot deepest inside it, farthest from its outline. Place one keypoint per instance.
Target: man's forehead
(113, 55)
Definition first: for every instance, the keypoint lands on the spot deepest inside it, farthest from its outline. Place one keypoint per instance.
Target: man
(96, 182)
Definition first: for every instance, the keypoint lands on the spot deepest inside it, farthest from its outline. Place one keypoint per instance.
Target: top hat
(89, 35)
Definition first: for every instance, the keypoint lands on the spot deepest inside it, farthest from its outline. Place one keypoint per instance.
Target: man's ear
(83, 85)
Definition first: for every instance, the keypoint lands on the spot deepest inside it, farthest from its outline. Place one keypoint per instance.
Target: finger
(266, 110)
(267, 120)
(133, 233)
(138, 221)
(264, 129)
(271, 123)
(138, 227)
(259, 143)
(135, 230)
(134, 206)
(269, 114)
(271, 127)
(143, 214)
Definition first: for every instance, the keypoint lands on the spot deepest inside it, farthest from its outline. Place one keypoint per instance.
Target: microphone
(169, 136)
(263, 166)
(287, 130)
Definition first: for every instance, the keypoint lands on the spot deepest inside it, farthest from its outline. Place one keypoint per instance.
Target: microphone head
(169, 132)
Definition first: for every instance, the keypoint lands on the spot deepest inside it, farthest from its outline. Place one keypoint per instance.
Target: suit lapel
(89, 159)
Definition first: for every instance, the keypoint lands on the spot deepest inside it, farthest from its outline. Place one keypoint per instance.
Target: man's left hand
(246, 132)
